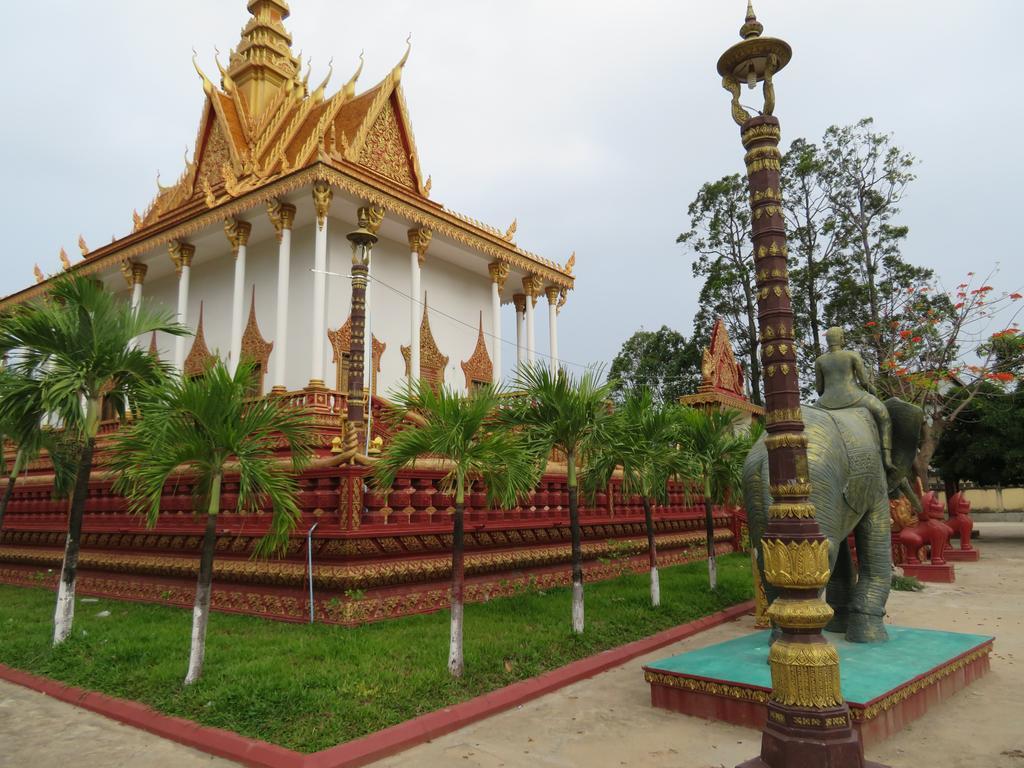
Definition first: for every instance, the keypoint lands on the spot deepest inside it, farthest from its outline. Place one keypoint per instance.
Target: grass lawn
(312, 687)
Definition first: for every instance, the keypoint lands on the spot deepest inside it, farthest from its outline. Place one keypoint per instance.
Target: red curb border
(375, 746)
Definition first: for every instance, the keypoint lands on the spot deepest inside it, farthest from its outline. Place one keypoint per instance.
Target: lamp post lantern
(808, 721)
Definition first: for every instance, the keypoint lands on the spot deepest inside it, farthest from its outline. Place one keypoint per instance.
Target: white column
(519, 300)
(553, 294)
(138, 275)
(499, 273)
(181, 255)
(532, 289)
(322, 195)
(419, 241)
(282, 216)
(238, 235)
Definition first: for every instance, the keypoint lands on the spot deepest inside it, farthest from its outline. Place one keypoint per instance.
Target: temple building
(248, 247)
(722, 378)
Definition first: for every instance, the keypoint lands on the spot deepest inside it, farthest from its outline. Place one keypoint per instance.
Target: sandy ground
(607, 721)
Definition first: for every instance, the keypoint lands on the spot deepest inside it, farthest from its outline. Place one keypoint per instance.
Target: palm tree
(80, 340)
(639, 438)
(207, 427)
(463, 431)
(21, 421)
(717, 450)
(557, 411)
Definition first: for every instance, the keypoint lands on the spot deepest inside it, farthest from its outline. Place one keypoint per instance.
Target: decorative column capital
(374, 216)
(134, 272)
(552, 292)
(419, 242)
(519, 300)
(238, 232)
(282, 216)
(498, 271)
(322, 197)
(181, 254)
(532, 288)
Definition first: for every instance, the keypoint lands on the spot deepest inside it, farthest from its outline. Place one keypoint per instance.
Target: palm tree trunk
(577, 549)
(652, 550)
(455, 661)
(709, 525)
(64, 615)
(201, 608)
(8, 493)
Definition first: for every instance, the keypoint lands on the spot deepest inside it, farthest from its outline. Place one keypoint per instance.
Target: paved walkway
(607, 721)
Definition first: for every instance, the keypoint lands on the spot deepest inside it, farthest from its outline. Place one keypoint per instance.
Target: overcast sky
(592, 122)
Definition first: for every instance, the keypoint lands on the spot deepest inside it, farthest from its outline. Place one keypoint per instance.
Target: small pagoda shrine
(721, 378)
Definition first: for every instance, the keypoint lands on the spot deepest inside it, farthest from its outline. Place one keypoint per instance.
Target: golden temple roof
(265, 132)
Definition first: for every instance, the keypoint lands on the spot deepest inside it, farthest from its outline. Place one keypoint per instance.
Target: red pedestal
(962, 555)
(942, 574)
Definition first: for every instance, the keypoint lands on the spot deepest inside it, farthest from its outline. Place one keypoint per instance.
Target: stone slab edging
(374, 746)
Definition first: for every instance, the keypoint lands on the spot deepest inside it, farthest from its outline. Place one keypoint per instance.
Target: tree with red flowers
(928, 340)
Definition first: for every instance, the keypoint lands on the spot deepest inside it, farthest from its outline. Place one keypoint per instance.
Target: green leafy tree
(557, 411)
(812, 234)
(639, 439)
(662, 361)
(865, 176)
(463, 431)
(207, 427)
(986, 444)
(720, 238)
(21, 422)
(79, 338)
(717, 450)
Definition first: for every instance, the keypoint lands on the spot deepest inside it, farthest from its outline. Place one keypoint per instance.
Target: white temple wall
(448, 288)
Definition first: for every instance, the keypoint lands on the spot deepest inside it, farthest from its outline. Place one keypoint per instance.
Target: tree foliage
(986, 443)
(662, 362)
(720, 238)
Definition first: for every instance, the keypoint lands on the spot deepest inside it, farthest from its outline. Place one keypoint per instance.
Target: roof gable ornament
(479, 369)
(199, 359)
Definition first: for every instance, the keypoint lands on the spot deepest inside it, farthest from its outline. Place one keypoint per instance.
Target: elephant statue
(850, 491)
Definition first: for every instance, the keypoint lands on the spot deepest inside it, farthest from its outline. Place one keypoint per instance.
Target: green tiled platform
(887, 685)
(867, 670)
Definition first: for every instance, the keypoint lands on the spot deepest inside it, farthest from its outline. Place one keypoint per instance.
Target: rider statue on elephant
(842, 381)
(860, 451)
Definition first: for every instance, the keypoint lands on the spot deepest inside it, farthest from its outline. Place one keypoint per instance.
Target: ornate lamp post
(362, 240)
(808, 720)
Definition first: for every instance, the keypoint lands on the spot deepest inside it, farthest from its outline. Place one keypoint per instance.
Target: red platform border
(358, 752)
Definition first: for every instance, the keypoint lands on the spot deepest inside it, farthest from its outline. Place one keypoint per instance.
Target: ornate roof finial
(751, 27)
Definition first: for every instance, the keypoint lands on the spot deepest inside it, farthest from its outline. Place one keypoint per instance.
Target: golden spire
(751, 26)
(263, 61)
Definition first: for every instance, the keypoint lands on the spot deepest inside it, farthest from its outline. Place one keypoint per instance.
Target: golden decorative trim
(322, 196)
(255, 348)
(801, 510)
(786, 439)
(795, 565)
(782, 415)
(800, 614)
(419, 242)
(282, 216)
(519, 300)
(237, 232)
(499, 273)
(199, 357)
(181, 254)
(374, 215)
(805, 674)
(432, 362)
(740, 693)
(532, 286)
(764, 131)
(886, 703)
(479, 369)
(553, 293)
(796, 490)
